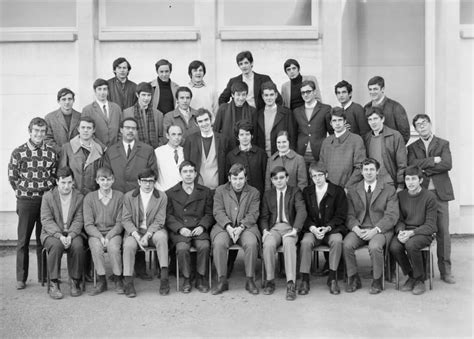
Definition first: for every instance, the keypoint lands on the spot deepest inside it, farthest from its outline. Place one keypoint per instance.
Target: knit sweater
(417, 212)
(103, 220)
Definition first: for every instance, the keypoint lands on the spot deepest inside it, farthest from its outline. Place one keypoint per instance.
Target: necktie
(369, 190)
(280, 208)
(129, 150)
(105, 111)
(176, 156)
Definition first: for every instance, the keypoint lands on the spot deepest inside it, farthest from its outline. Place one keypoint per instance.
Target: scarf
(146, 133)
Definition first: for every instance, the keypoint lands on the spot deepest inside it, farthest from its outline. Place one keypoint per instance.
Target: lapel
(432, 146)
(74, 122)
(279, 115)
(99, 113)
(361, 192)
(57, 200)
(377, 191)
(287, 202)
(195, 195)
(62, 122)
(316, 109)
(314, 199)
(135, 150)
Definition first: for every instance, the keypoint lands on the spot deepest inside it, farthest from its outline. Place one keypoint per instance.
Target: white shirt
(285, 219)
(145, 198)
(168, 169)
(337, 135)
(320, 192)
(347, 105)
(250, 92)
(102, 104)
(125, 146)
(372, 185)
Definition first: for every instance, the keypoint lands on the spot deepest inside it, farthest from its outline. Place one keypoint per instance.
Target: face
(204, 123)
(423, 127)
(375, 92)
(101, 92)
(86, 130)
(174, 136)
(121, 71)
(269, 96)
(413, 182)
(375, 122)
(144, 99)
(369, 172)
(105, 183)
(65, 185)
(184, 100)
(65, 102)
(37, 134)
(245, 66)
(308, 94)
(146, 184)
(239, 98)
(283, 145)
(188, 174)
(343, 95)
(292, 71)
(164, 73)
(280, 180)
(245, 138)
(129, 131)
(197, 75)
(338, 123)
(319, 178)
(238, 181)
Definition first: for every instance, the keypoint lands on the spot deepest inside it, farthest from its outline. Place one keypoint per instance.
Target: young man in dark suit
(121, 89)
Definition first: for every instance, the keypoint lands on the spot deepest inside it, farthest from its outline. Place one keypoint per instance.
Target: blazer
(258, 80)
(156, 93)
(125, 97)
(52, 215)
(132, 211)
(57, 133)
(106, 130)
(332, 211)
(175, 118)
(355, 116)
(284, 121)
(255, 162)
(437, 172)
(126, 170)
(313, 131)
(228, 210)
(295, 208)
(286, 90)
(383, 207)
(225, 120)
(189, 211)
(157, 117)
(294, 164)
(193, 151)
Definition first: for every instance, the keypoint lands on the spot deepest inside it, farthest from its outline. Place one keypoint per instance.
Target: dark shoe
(119, 288)
(419, 287)
(76, 290)
(129, 290)
(408, 285)
(269, 287)
(353, 283)
(186, 286)
(100, 287)
(251, 287)
(334, 287)
(20, 285)
(88, 277)
(222, 286)
(303, 289)
(164, 287)
(376, 287)
(202, 284)
(54, 291)
(144, 276)
(290, 291)
(449, 279)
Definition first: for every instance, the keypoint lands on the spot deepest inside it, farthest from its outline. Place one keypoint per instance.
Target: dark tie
(176, 156)
(105, 112)
(129, 151)
(280, 208)
(369, 190)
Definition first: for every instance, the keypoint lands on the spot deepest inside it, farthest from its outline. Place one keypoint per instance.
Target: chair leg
(95, 273)
(177, 274)
(431, 273)
(397, 275)
(210, 272)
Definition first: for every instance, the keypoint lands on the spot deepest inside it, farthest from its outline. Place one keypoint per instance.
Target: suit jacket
(286, 90)
(355, 116)
(132, 211)
(126, 170)
(295, 208)
(124, 98)
(156, 93)
(228, 210)
(383, 207)
(255, 162)
(58, 133)
(157, 117)
(437, 172)
(225, 120)
(52, 215)
(189, 211)
(332, 211)
(313, 131)
(294, 164)
(258, 80)
(106, 130)
(175, 118)
(284, 121)
(193, 151)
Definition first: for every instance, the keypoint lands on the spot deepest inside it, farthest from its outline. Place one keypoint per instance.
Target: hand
(185, 232)
(358, 231)
(265, 235)
(63, 240)
(103, 241)
(136, 236)
(197, 231)
(144, 240)
(230, 230)
(313, 229)
(319, 233)
(399, 189)
(369, 234)
(437, 160)
(403, 236)
(238, 231)
(292, 233)
(347, 126)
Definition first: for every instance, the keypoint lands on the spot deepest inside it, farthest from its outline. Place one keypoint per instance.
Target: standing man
(164, 90)
(395, 115)
(433, 156)
(106, 114)
(168, 158)
(355, 113)
(372, 215)
(253, 80)
(122, 90)
(31, 173)
(189, 220)
(282, 218)
(204, 95)
(63, 122)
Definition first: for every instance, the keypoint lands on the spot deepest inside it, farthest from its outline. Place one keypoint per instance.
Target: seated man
(326, 204)
(372, 214)
(415, 229)
(283, 216)
(189, 219)
(103, 225)
(61, 216)
(143, 218)
(236, 212)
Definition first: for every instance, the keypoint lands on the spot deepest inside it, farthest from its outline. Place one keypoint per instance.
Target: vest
(209, 169)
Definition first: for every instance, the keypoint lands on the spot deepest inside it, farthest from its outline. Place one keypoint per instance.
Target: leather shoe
(88, 277)
(100, 287)
(130, 290)
(353, 283)
(20, 285)
(290, 291)
(419, 287)
(54, 291)
(75, 288)
(269, 287)
(186, 285)
(251, 287)
(334, 287)
(449, 279)
(303, 289)
(165, 287)
(119, 288)
(408, 285)
(144, 276)
(376, 286)
(222, 286)
(202, 285)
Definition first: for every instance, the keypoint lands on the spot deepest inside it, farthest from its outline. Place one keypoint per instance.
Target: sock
(164, 273)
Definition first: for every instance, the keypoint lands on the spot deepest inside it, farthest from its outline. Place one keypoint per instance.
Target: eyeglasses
(279, 177)
(423, 123)
(306, 92)
(318, 175)
(130, 128)
(147, 181)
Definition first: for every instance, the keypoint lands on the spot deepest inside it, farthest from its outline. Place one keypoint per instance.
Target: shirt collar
(101, 105)
(372, 185)
(349, 103)
(106, 196)
(313, 105)
(32, 146)
(125, 145)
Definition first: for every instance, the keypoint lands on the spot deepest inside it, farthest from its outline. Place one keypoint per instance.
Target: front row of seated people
(190, 215)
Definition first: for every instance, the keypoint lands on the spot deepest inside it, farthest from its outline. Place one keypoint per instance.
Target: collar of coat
(290, 155)
(330, 191)
(237, 150)
(246, 187)
(136, 192)
(179, 187)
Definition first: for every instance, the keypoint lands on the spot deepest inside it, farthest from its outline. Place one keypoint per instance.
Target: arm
(218, 122)
(401, 157)
(391, 212)
(89, 218)
(301, 213)
(127, 215)
(77, 223)
(63, 158)
(207, 219)
(219, 211)
(251, 217)
(264, 214)
(118, 228)
(226, 94)
(151, 163)
(301, 175)
(358, 156)
(429, 227)
(268, 183)
(47, 219)
(172, 222)
(340, 213)
(428, 165)
(14, 169)
(49, 138)
(292, 130)
(160, 216)
(351, 220)
(401, 121)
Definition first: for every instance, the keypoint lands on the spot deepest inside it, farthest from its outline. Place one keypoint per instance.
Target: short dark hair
(144, 87)
(202, 111)
(65, 91)
(104, 172)
(146, 173)
(239, 86)
(244, 55)
(87, 119)
(374, 110)
(414, 170)
(64, 172)
(100, 82)
(183, 89)
(187, 163)
(342, 84)
(38, 122)
(236, 169)
(285, 133)
(128, 119)
(163, 62)
(245, 125)
(371, 161)
(421, 116)
(317, 167)
(120, 60)
(269, 85)
(172, 125)
(338, 112)
(376, 80)
(290, 62)
(277, 169)
(195, 64)
(309, 83)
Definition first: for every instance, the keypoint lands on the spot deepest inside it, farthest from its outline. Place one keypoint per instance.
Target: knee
(411, 246)
(269, 245)
(203, 246)
(113, 247)
(306, 244)
(129, 245)
(335, 240)
(182, 248)
(375, 247)
(160, 237)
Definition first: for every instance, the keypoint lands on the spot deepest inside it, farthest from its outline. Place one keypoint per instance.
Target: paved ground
(444, 312)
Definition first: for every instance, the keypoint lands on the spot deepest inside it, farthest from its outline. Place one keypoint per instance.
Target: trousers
(270, 245)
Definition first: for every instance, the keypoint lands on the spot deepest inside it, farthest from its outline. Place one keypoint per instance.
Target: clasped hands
(365, 234)
(186, 232)
(143, 240)
(66, 241)
(235, 232)
(319, 232)
(403, 236)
